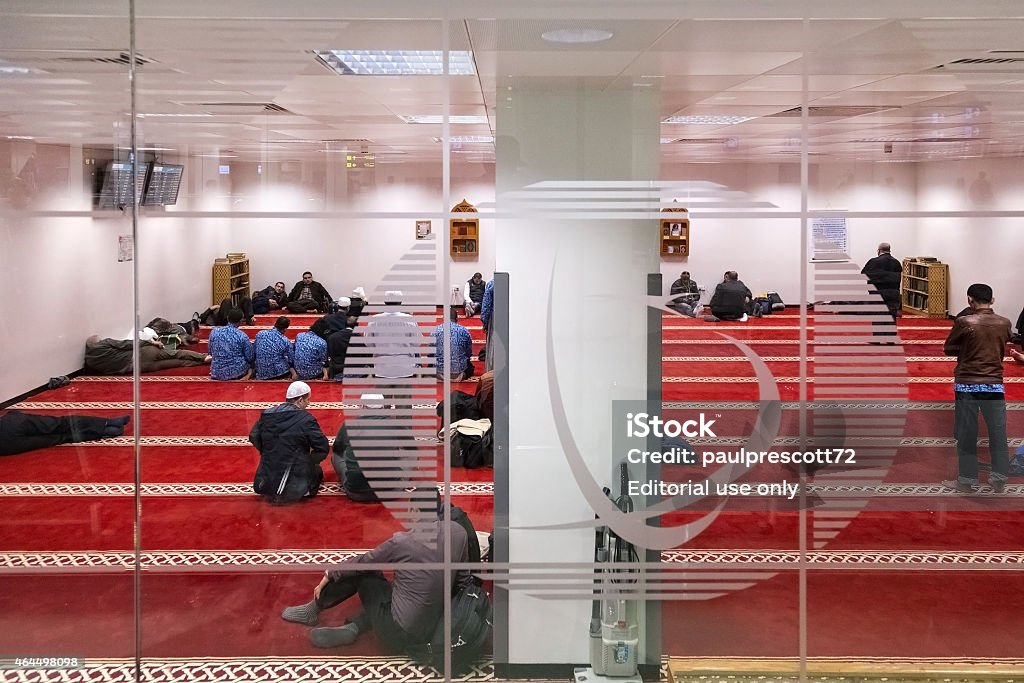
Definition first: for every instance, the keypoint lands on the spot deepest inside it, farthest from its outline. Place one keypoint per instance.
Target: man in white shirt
(394, 339)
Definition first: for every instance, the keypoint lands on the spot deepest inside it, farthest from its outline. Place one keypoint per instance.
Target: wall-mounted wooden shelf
(464, 233)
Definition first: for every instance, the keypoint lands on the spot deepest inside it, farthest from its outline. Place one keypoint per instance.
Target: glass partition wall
(685, 483)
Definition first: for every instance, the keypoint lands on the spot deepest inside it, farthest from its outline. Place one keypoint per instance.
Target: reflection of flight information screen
(117, 184)
(164, 181)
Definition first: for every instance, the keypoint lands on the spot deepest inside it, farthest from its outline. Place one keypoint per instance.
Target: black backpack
(472, 451)
(472, 619)
(463, 406)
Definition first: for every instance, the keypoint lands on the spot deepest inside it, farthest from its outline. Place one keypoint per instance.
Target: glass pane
(65, 224)
(298, 169)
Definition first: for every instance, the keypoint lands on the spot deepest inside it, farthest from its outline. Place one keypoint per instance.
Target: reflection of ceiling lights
(576, 35)
(396, 62)
(468, 139)
(152, 115)
(436, 118)
(10, 69)
(708, 120)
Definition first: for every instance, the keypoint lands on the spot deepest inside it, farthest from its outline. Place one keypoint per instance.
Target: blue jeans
(965, 428)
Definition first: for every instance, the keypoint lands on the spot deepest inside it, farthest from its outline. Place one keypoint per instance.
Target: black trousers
(375, 593)
(304, 306)
(21, 432)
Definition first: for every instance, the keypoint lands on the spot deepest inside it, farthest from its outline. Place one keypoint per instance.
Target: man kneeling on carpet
(405, 611)
(291, 446)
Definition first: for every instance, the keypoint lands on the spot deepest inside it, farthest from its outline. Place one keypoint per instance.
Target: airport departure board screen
(163, 185)
(116, 192)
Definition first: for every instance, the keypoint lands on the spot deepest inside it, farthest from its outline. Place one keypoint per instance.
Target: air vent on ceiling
(985, 64)
(122, 59)
(838, 111)
(698, 141)
(239, 107)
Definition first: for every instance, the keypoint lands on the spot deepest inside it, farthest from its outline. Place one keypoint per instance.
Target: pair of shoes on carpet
(959, 486)
(334, 636)
(58, 382)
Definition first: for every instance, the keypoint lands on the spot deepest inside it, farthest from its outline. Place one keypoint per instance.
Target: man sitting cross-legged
(404, 612)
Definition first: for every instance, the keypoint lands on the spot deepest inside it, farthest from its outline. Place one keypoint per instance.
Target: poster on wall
(423, 230)
(125, 248)
(829, 239)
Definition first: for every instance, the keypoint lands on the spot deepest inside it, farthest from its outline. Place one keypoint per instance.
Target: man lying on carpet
(114, 356)
(21, 432)
(404, 613)
(291, 446)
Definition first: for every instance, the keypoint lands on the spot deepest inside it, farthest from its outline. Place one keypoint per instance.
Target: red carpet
(74, 505)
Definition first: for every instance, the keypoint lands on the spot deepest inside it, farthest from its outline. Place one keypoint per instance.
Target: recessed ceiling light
(576, 35)
(153, 115)
(396, 62)
(436, 118)
(10, 69)
(20, 137)
(468, 139)
(708, 120)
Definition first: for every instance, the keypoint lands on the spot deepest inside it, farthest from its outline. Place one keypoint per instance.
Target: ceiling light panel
(708, 120)
(438, 119)
(468, 139)
(397, 62)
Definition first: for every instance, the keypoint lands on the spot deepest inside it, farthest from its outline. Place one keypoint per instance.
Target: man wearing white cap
(291, 446)
(394, 339)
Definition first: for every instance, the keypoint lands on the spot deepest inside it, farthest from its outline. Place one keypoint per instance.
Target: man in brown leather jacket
(978, 340)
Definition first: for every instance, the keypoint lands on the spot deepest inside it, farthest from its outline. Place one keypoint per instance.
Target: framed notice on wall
(423, 230)
(125, 248)
(829, 239)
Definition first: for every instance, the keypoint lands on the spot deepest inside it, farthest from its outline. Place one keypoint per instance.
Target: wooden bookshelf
(925, 287)
(674, 233)
(464, 233)
(230, 278)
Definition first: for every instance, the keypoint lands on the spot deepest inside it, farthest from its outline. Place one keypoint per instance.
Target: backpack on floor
(472, 619)
(472, 443)
(463, 406)
(776, 301)
(760, 306)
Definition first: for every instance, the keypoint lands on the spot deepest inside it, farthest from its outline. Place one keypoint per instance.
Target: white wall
(319, 232)
(765, 250)
(70, 254)
(978, 248)
(64, 281)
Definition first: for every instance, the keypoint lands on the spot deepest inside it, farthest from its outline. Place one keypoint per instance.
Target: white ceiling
(893, 76)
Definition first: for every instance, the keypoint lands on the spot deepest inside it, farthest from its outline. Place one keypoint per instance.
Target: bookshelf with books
(464, 233)
(925, 287)
(230, 278)
(674, 233)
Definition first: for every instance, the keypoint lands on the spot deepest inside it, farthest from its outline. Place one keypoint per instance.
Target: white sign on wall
(829, 239)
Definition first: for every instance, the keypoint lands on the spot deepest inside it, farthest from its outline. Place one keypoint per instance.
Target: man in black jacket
(884, 273)
(731, 298)
(308, 295)
(291, 446)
